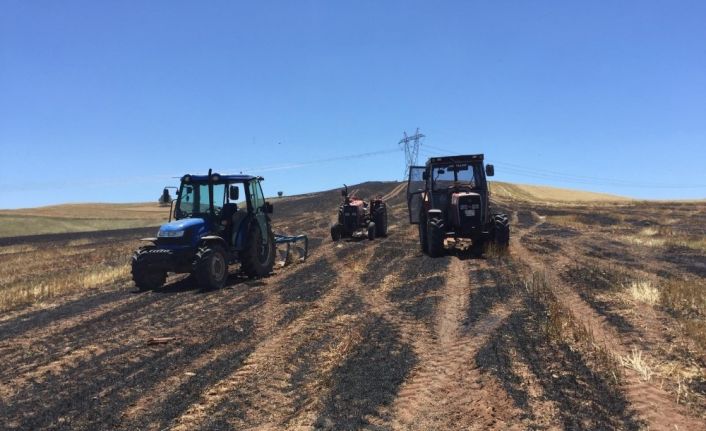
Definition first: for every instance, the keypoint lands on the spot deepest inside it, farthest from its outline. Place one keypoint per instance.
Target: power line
(295, 165)
(410, 145)
(533, 172)
(143, 179)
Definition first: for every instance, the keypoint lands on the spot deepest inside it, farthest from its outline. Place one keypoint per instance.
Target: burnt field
(595, 319)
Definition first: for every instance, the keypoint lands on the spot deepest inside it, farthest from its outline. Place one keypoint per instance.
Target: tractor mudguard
(214, 238)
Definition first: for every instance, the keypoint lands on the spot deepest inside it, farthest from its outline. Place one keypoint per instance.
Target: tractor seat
(234, 217)
(228, 210)
(236, 221)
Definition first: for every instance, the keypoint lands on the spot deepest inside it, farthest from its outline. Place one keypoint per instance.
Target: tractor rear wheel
(371, 231)
(435, 237)
(211, 270)
(380, 219)
(144, 277)
(258, 258)
(501, 231)
(336, 232)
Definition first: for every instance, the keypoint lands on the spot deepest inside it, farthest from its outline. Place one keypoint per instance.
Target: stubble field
(595, 319)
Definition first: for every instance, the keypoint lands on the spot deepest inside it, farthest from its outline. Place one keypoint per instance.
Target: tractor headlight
(170, 233)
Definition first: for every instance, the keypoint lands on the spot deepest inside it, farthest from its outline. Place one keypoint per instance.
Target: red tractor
(357, 218)
(449, 200)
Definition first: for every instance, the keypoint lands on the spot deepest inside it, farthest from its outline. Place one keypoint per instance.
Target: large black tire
(372, 230)
(336, 232)
(211, 269)
(423, 243)
(501, 231)
(380, 219)
(144, 277)
(435, 237)
(258, 259)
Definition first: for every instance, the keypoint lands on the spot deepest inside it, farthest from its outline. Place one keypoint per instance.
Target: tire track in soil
(352, 376)
(267, 321)
(121, 340)
(83, 327)
(114, 318)
(394, 192)
(261, 388)
(446, 390)
(652, 403)
(128, 324)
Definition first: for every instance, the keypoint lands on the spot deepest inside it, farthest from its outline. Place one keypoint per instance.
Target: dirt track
(364, 334)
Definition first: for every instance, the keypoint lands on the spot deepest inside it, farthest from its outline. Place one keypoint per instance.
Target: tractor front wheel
(258, 258)
(144, 277)
(371, 231)
(380, 219)
(211, 270)
(336, 232)
(422, 225)
(435, 237)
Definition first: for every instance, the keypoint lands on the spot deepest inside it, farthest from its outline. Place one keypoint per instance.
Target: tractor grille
(184, 240)
(469, 216)
(350, 218)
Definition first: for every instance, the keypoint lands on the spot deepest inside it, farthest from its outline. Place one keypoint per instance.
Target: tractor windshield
(455, 175)
(194, 200)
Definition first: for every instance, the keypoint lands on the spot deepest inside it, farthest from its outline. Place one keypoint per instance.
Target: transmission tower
(410, 145)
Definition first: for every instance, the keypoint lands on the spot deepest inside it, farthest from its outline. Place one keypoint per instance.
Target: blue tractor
(212, 228)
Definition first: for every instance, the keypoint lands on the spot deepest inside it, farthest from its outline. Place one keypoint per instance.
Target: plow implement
(285, 243)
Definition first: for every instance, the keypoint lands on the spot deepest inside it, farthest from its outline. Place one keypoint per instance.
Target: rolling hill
(100, 216)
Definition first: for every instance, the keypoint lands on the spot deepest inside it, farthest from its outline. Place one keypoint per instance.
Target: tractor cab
(223, 205)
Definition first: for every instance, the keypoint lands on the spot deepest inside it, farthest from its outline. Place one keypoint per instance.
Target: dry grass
(676, 375)
(80, 218)
(492, 251)
(686, 300)
(572, 221)
(146, 210)
(661, 231)
(549, 194)
(636, 362)
(32, 274)
(31, 225)
(648, 242)
(21, 248)
(685, 297)
(695, 243)
(665, 236)
(643, 291)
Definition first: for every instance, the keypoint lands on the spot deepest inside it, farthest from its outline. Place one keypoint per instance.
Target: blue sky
(107, 101)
